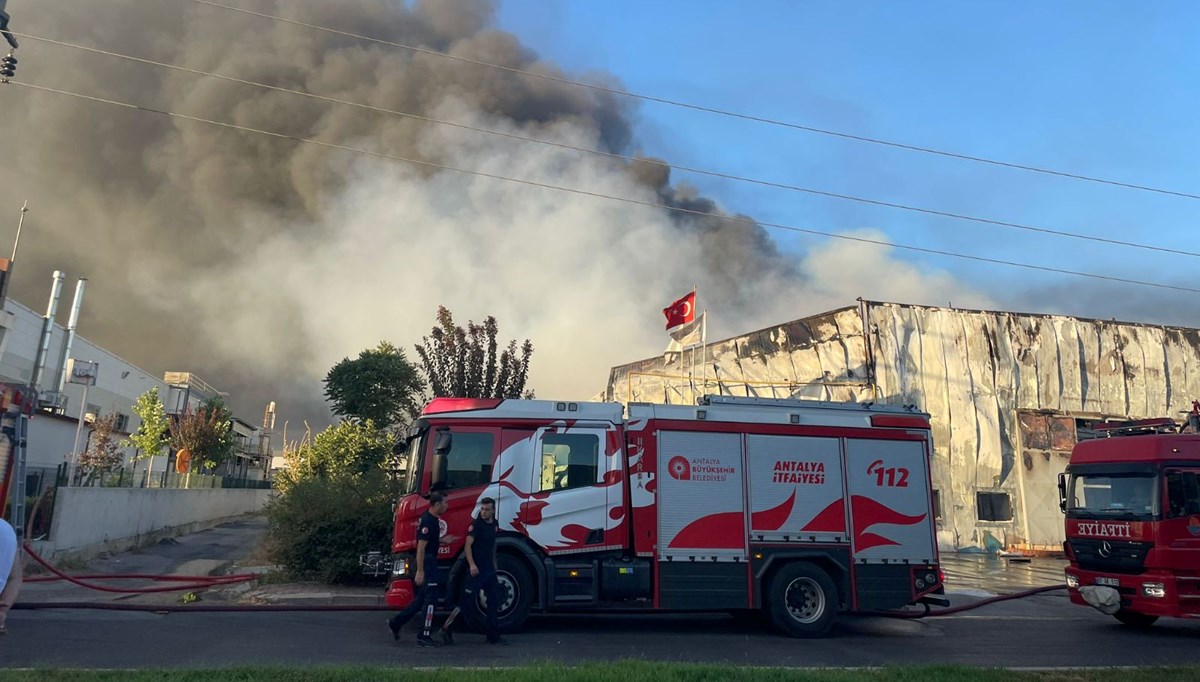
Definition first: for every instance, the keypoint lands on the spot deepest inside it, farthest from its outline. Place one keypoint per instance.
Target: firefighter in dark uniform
(481, 558)
(426, 579)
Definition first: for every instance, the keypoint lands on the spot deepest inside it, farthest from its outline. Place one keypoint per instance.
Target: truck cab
(556, 473)
(1132, 506)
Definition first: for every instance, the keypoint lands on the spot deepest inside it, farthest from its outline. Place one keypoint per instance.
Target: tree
(206, 434)
(380, 386)
(151, 435)
(345, 452)
(101, 454)
(462, 363)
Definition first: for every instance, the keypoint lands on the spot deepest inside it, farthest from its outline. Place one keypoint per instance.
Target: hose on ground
(190, 583)
(199, 608)
(194, 583)
(930, 613)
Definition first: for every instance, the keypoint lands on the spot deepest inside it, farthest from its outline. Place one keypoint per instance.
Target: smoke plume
(258, 262)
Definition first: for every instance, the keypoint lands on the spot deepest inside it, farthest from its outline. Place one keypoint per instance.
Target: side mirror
(400, 446)
(1062, 493)
(441, 452)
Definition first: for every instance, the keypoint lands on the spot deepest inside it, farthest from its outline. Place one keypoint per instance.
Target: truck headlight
(399, 568)
(1072, 581)
(1154, 590)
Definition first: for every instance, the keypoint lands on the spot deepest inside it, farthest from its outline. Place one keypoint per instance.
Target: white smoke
(585, 278)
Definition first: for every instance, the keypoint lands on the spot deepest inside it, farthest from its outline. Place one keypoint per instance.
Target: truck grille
(1122, 557)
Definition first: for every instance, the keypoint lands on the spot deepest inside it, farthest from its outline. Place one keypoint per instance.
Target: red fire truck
(1132, 504)
(801, 509)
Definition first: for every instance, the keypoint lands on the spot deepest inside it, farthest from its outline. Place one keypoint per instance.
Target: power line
(600, 195)
(610, 155)
(707, 109)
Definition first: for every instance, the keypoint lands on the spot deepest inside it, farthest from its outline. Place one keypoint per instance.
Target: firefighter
(481, 558)
(426, 581)
(10, 572)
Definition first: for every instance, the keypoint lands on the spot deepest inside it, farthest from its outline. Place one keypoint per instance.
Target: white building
(118, 385)
(52, 434)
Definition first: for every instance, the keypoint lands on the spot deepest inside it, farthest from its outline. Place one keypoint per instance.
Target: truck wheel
(802, 600)
(1134, 619)
(516, 596)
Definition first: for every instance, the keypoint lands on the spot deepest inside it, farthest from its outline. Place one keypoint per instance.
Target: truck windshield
(1126, 495)
(412, 464)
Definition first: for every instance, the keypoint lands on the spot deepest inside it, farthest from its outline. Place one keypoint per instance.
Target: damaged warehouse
(1009, 395)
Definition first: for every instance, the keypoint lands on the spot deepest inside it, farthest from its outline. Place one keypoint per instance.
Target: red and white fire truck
(801, 509)
(1132, 504)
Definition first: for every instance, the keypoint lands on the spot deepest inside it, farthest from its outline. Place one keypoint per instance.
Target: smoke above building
(258, 262)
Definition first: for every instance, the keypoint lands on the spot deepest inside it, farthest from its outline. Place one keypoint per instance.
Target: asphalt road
(1039, 631)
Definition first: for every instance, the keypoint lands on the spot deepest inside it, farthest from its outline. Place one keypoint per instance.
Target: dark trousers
(487, 582)
(425, 598)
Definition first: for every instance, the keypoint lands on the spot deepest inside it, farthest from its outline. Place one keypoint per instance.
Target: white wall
(91, 520)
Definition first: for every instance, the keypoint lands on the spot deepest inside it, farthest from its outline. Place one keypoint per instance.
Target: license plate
(1111, 582)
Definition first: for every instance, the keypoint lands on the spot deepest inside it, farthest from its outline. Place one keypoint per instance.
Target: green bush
(319, 527)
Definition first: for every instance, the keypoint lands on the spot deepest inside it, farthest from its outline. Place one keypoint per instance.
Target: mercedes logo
(1105, 549)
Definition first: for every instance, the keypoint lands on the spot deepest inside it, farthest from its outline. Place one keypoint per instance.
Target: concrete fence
(88, 521)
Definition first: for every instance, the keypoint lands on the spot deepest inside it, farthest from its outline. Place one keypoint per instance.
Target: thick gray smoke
(258, 262)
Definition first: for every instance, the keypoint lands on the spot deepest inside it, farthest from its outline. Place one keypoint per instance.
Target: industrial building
(54, 427)
(1009, 395)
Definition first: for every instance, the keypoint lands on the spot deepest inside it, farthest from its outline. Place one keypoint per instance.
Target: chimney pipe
(39, 363)
(70, 340)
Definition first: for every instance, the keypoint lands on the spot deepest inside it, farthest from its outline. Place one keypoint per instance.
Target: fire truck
(1132, 505)
(800, 509)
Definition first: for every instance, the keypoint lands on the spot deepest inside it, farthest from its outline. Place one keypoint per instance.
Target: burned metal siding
(978, 374)
(821, 357)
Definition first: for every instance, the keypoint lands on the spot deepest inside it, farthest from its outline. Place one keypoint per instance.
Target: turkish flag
(681, 311)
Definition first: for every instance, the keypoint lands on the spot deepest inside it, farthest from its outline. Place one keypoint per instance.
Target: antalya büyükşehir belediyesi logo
(679, 468)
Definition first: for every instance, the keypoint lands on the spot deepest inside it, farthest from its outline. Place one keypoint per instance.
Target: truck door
(569, 510)
(1180, 533)
(463, 476)
(1181, 510)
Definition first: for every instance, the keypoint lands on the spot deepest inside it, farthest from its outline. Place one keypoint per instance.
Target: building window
(990, 506)
(569, 461)
(937, 504)
(122, 423)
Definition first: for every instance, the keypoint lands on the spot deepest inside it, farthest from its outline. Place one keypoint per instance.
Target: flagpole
(682, 379)
(704, 353)
(692, 370)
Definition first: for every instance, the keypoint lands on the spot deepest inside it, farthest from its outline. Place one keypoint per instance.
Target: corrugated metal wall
(1004, 391)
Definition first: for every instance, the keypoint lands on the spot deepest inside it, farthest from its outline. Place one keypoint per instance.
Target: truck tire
(802, 600)
(1134, 619)
(516, 596)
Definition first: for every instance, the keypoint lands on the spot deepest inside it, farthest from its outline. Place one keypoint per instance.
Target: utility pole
(80, 372)
(15, 426)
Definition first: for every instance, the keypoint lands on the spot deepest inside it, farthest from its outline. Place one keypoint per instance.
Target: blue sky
(1099, 88)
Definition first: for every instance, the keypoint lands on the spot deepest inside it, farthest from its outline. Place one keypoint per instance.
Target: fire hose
(929, 612)
(192, 583)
